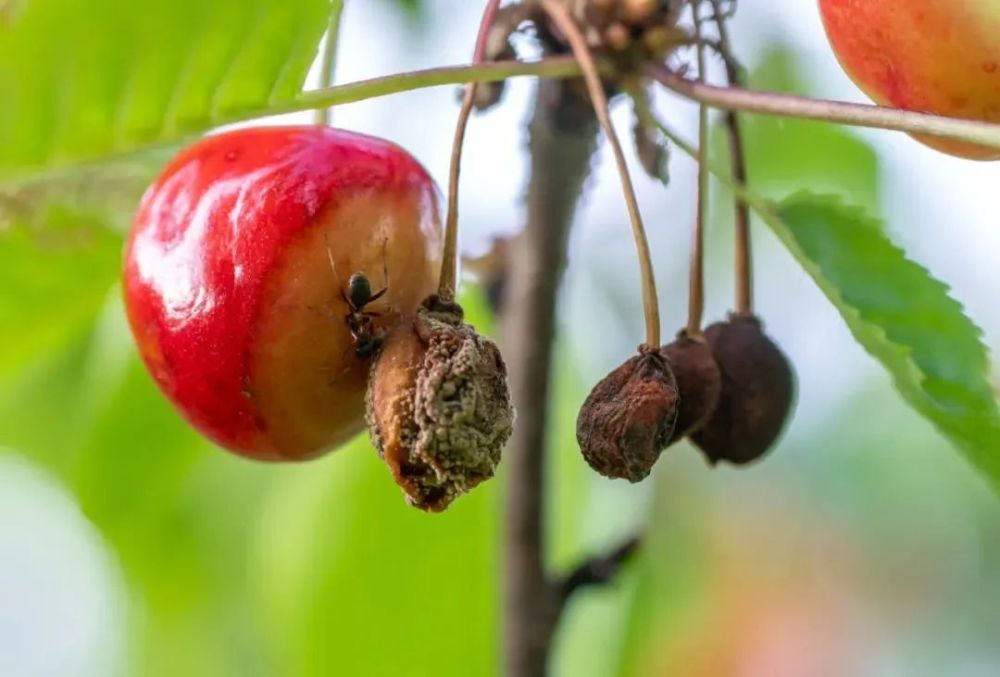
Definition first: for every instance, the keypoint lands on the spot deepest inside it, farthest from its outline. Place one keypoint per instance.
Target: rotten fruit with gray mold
(438, 406)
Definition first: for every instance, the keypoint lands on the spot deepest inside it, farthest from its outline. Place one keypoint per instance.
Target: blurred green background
(129, 546)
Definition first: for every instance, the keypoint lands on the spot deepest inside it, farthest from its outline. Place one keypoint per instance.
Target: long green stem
(824, 110)
(561, 140)
(328, 64)
(553, 67)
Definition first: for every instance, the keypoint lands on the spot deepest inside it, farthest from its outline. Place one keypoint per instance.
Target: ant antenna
(329, 255)
(333, 266)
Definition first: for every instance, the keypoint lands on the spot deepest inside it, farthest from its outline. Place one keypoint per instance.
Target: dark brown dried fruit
(757, 392)
(438, 406)
(699, 382)
(629, 417)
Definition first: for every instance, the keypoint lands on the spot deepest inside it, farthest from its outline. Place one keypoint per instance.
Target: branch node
(599, 570)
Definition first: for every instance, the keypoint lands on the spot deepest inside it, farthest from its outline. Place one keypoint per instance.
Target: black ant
(359, 321)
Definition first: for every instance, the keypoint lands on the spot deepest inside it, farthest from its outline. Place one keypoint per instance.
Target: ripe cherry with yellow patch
(934, 56)
(238, 281)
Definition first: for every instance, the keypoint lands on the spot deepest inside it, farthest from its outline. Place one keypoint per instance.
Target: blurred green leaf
(574, 532)
(129, 474)
(414, 10)
(782, 151)
(53, 282)
(60, 252)
(177, 513)
(40, 405)
(668, 579)
(355, 582)
(569, 491)
(902, 316)
(84, 80)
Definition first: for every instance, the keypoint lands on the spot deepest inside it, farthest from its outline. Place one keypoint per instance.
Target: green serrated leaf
(85, 80)
(896, 310)
(902, 316)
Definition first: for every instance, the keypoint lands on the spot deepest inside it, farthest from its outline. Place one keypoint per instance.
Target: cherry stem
(744, 256)
(567, 26)
(696, 284)
(825, 110)
(463, 74)
(449, 257)
(328, 64)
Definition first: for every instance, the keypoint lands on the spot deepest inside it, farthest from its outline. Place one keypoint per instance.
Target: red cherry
(230, 292)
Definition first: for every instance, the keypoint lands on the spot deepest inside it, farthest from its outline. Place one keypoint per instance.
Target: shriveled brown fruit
(629, 417)
(438, 406)
(757, 392)
(699, 382)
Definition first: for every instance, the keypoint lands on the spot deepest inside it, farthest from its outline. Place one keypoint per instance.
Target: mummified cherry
(439, 408)
(934, 56)
(241, 280)
(757, 392)
(629, 417)
(699, 382)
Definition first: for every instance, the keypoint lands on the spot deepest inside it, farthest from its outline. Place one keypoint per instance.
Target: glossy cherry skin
(230, 292)
(935, 56)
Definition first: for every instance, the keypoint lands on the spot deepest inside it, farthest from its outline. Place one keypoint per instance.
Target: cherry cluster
(730, 391)
(286, 285)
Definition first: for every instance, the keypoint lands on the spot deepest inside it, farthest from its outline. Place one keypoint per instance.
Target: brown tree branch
(561, 139)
